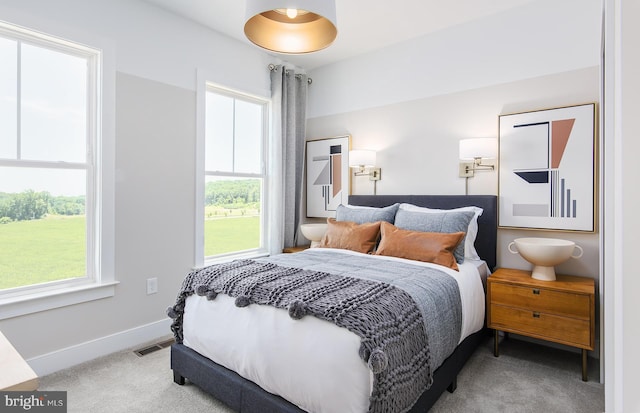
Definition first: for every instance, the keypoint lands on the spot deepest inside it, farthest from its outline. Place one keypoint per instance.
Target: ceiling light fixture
(291, 26)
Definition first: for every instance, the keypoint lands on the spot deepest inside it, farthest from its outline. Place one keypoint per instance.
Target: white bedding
(310, 362)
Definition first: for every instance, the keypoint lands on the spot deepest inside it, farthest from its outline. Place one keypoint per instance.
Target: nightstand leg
(496, 352)
(584, 365)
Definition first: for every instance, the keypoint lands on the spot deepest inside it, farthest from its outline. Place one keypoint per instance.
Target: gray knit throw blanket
(387, 320)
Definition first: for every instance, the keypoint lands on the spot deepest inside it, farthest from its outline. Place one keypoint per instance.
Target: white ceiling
(363, 25)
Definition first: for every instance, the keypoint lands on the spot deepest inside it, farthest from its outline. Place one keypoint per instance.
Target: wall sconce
(475, 150)
(472, 153)
(364, 161)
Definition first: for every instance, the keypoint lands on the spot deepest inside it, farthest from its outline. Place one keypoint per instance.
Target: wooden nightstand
(562, 311)
(295, 249)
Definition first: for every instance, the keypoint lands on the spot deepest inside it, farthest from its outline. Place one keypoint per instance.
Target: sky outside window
(8, 98)
(233, 135)
(53, 115)
(54, 118)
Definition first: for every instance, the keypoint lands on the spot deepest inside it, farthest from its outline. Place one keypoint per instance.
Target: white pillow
(469, 243)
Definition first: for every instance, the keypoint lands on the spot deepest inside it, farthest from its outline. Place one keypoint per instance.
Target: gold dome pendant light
(291, 26)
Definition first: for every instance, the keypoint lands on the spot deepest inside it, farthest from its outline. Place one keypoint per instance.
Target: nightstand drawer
(572, 331)
(542, 300)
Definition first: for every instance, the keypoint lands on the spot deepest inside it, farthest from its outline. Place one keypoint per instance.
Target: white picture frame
(547, 174)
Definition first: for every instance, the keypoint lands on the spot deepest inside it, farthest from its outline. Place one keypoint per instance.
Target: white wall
(629, 222)
(622, 330)
(154, 57)
(540, 38)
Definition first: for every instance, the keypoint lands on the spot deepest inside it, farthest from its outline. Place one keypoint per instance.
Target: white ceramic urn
(544, 254)
(313, 232)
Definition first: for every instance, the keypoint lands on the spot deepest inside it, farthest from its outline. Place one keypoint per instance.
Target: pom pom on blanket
(172, 313)
(378, 361)
(364, 352)
(211, 295)
(297, 309)
(242, 301)
(202, 290)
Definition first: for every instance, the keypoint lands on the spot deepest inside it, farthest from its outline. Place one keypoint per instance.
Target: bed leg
(453, 386)
(177, 378)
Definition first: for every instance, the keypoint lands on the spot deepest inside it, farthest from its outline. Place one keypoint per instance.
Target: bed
(189, 359)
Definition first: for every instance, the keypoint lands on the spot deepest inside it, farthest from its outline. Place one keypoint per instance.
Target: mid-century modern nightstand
(295, 249)
(562, 311)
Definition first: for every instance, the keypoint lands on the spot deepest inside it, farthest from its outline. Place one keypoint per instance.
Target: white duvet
(310, 362)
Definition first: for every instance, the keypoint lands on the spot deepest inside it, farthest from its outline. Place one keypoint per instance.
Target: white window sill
(229, 258)
(61, 297)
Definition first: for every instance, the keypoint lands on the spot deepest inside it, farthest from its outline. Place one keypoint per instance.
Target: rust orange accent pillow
(348, 235)
(435, 247)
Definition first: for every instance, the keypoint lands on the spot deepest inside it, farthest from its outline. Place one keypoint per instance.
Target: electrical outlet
(152, 285)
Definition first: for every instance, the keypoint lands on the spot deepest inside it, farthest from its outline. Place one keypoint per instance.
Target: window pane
(54, 99)
(42, 225)
(248, 137)
(219, 133)
(232, 215)
(8, 100)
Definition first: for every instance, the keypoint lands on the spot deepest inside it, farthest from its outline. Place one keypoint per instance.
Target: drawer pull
(536, 291)
(536, 315)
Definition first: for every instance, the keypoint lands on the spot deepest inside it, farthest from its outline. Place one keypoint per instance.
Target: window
(49, 169)
(235, 133)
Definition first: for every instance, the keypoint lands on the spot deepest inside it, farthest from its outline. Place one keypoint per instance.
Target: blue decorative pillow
(448, 222)
(472, 232)
(361, 215)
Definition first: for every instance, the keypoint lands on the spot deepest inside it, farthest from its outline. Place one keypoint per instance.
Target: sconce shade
(312, 26)
(362, 158)
(478, 148)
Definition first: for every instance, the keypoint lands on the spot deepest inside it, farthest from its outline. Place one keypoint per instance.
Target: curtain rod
(273, 67)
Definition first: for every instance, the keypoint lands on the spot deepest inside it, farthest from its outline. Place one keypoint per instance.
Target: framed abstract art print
(547, 175)
(328, 177)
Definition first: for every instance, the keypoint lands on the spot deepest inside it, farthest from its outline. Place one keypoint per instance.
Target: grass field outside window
(42, 250)
(53, 248)
(231, 233)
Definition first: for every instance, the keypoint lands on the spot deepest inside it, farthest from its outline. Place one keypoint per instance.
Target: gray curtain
(289, 97)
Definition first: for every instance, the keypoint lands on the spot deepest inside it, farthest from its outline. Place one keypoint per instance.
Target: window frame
(98, 281)
(201, 173)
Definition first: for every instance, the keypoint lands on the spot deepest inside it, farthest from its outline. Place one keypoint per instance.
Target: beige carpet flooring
(525, 378)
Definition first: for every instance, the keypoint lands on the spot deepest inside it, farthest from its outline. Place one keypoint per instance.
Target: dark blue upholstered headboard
(486, 241)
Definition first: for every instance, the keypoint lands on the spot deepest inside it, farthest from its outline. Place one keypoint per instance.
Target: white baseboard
(71, 356)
